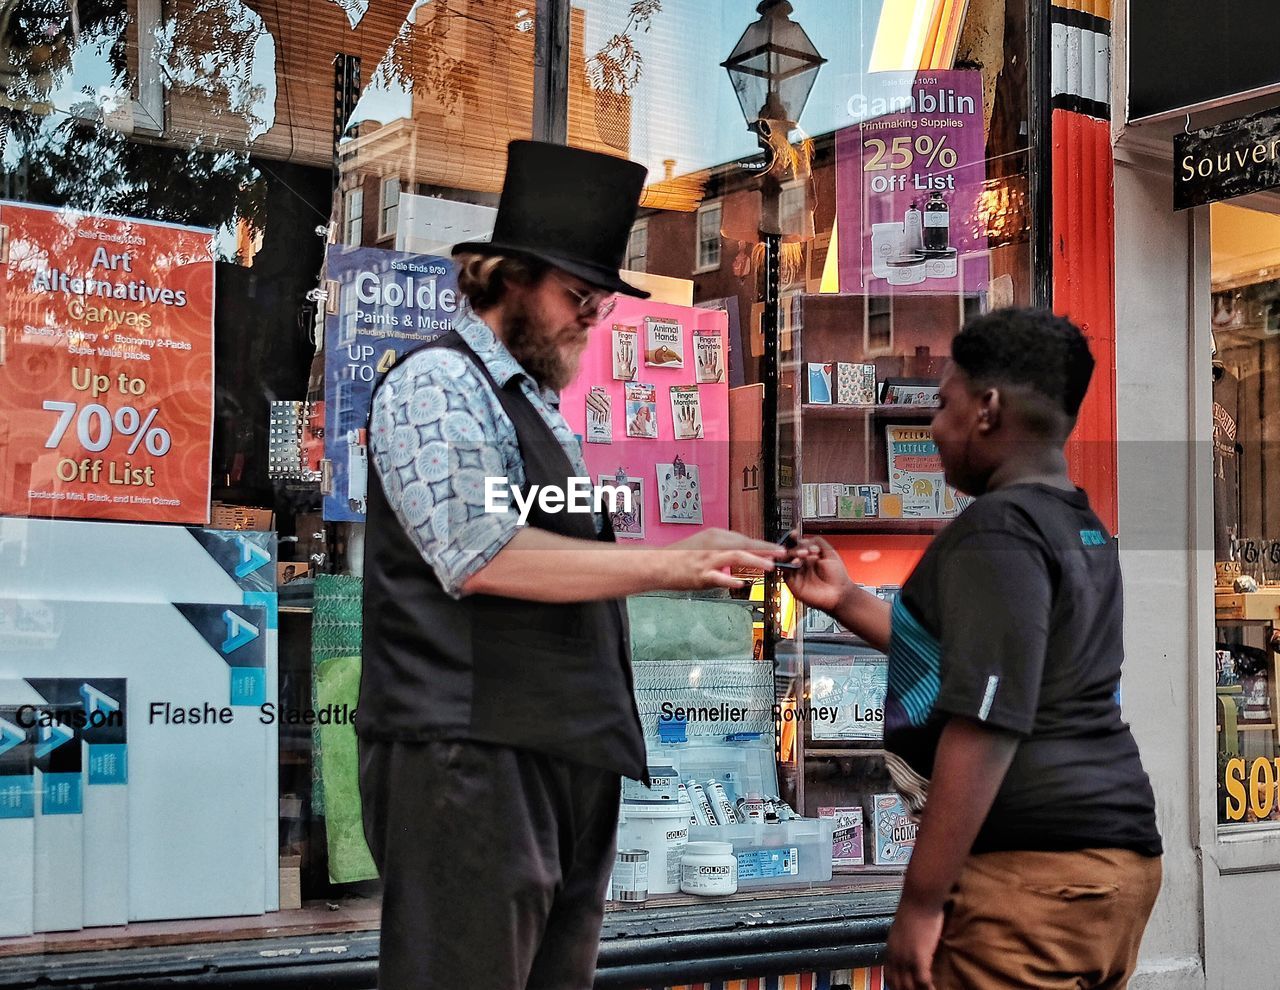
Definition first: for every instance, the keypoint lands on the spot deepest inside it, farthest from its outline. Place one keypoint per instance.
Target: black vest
(547, 677)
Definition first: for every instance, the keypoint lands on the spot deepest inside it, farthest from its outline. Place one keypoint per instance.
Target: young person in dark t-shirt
(1037, 861)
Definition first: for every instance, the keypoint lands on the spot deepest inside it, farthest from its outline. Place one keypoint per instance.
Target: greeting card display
(627, 518)
(664, 343)
(819, 381)
(642, 410)
(599, 416)
(708, 356)
(910, 392)
(626, 350)
(855, 384)
(679, 493)
(859, 502)
(828, 499)
(686, 412)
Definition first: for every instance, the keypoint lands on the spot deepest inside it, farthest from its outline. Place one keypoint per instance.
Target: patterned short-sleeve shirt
(436, 431)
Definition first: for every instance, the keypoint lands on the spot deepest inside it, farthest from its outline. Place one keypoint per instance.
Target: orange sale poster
(106, 367)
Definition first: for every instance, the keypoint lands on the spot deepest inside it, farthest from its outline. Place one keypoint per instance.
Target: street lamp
(772, 68)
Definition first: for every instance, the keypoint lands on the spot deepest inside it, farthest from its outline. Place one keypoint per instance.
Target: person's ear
(988, 410)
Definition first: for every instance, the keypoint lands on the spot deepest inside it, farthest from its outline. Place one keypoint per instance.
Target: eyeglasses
(595, 304)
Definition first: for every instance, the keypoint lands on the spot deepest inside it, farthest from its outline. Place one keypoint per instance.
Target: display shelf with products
(862, 409)
(867, 476)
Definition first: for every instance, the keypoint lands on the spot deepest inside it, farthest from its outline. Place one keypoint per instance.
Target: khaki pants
(1046, 921)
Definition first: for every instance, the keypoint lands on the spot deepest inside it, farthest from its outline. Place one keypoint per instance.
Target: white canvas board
(197, 835)
(105, 561)
(18, 833)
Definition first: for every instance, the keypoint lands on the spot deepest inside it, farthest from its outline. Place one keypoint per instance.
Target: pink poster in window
(910, 181)
(638, 457)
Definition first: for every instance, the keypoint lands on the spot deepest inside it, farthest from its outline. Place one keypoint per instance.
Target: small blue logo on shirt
(1093, 538)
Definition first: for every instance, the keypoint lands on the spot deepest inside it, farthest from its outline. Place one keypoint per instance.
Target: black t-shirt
(1013, 618)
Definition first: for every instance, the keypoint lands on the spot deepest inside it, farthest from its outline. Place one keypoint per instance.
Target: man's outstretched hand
(699, 562)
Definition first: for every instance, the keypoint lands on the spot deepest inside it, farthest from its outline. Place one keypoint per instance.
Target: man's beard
(542, 359)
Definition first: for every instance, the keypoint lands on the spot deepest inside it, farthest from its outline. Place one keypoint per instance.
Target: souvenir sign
(895, 831)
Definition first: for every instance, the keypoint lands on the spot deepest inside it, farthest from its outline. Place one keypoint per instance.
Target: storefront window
(221, 223)
(902, 208)
(1246, 363)
(187, 351)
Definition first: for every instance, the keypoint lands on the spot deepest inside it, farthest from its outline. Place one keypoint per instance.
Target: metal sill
(639, 949)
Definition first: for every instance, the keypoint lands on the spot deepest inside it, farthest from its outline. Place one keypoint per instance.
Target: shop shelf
(822, 409)
(885, 527)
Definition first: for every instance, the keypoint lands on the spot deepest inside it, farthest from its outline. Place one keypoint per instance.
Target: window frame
(385, 208)
(640, 227)
(701, 264)
(356, 216)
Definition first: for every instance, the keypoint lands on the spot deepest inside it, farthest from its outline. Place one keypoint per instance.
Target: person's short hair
(483, 278)
(1030, 347)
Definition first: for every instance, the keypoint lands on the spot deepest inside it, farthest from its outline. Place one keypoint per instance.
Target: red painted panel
(877, 560)
(1084, 290)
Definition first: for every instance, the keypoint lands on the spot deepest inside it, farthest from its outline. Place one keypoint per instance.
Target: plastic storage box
(794, 853)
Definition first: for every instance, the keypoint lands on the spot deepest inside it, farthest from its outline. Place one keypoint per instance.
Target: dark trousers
(494, 864)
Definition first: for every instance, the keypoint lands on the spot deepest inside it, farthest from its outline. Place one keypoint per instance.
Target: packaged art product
(686, 412)
(627, 519)
(846, 842)
(680, 493)
(599, 415)
(642, 410)
(708, 356)
(866, 498)
(664, 343)
(809, 500)
(916, 475)
(895, 831)
(828, 500)
(626, 351)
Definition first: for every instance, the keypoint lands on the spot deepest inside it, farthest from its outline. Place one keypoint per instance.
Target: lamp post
(772, 68)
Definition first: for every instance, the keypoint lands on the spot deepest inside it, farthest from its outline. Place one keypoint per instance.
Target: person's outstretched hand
(699, 561)
(822, 581)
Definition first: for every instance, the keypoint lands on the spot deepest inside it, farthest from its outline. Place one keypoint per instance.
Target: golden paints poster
(106, 373)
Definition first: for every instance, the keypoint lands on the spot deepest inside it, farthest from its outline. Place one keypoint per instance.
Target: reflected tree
(65, 71)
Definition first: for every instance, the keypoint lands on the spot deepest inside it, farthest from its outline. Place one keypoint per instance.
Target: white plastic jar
(709, 869)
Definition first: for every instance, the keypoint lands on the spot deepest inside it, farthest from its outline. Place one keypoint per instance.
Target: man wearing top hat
(496, 706)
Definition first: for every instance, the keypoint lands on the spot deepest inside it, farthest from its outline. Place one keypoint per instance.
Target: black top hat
(571, 208)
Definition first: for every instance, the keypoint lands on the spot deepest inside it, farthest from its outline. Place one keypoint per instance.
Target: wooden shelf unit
(887, 527)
